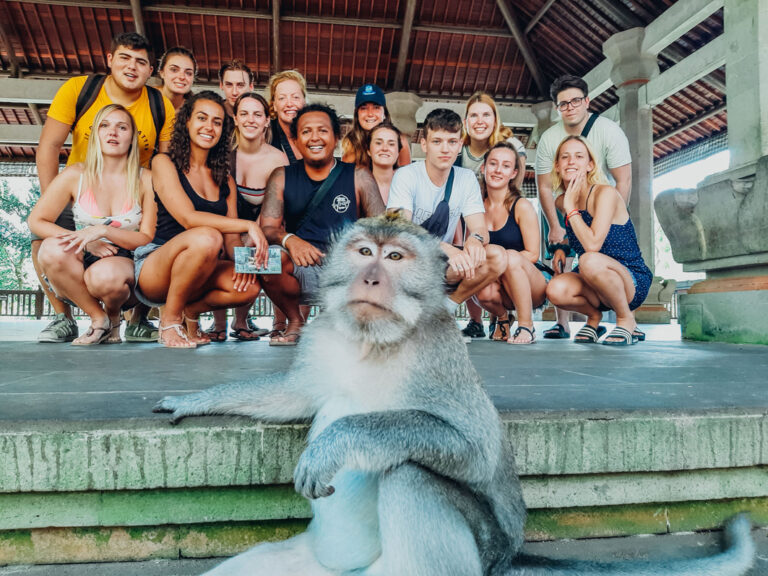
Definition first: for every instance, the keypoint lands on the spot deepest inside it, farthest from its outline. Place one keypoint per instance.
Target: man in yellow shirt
(130, 61)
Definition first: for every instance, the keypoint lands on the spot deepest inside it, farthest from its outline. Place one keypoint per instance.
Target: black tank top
(338, 208)
(168, 227)
(280, 141)
(508, 236)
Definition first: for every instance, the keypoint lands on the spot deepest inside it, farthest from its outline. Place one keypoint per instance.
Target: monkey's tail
(737, 557)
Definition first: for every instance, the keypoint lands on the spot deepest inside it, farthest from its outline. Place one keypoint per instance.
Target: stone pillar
(543, 112)
(402, 108)
(746, 72)
(632, 69)
(721, 226)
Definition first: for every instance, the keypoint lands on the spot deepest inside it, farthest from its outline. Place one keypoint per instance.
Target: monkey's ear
(393, 214)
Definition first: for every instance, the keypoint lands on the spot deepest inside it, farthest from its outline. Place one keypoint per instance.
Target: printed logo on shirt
(340, 204)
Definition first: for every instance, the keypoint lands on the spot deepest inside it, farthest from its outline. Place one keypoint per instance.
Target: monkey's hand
(302, 252)
(180, 406)
(317, 466)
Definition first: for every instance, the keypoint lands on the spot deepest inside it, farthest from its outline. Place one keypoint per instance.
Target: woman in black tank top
(513, 225)
(197, 217)
(287, 95)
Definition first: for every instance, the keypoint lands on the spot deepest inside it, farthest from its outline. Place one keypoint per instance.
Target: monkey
(406, 467)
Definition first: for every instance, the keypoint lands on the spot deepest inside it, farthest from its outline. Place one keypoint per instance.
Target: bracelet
(477, 236)
(285, 239)
(572, 213)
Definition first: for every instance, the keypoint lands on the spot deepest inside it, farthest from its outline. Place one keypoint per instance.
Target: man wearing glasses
(610, 144)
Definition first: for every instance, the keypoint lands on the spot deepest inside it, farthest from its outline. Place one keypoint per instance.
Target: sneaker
(61, 329)
(142, 331)
(474, 330)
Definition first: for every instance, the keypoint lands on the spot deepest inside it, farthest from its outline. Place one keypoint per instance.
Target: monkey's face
(381, 279)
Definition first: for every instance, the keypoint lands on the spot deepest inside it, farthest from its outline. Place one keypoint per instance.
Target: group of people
(162, 184)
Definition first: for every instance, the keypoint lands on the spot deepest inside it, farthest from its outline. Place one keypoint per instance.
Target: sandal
(502, 327)
(531, 331)
(114, 334)
(639, 334)
(179, 329)
(557, 332)
(623, 337)
(244, 335)
(101, 332)
(217, 336)
(255, 329)
(588, 334)
(492, 327)
(294, 339)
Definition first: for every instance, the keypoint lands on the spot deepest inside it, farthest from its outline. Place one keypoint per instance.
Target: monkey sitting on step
(407, 467)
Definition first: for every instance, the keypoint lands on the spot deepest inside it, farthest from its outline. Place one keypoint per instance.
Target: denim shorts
(139, 255)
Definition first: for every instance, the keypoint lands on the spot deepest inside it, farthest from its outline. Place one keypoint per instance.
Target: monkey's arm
(275, 398)
(381, 441)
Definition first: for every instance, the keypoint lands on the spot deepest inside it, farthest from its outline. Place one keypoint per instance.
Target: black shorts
(90, 259)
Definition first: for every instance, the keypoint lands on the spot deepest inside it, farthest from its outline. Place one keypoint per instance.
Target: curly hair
(325, 109)
(356, 139)
(218, 156)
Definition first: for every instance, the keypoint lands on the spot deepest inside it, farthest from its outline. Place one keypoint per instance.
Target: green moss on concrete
(593, 522)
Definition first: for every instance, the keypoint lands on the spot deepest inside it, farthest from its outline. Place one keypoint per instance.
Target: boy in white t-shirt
(419, 189)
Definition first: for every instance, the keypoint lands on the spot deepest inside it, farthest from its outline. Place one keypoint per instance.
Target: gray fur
(406, 467)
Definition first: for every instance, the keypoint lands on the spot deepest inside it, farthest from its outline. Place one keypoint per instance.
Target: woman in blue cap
(370, 111)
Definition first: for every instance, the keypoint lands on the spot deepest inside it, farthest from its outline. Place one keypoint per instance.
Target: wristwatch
(477, 236)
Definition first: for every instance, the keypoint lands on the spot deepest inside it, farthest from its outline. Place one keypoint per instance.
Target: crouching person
(181, 269)
(435, 193)
(114, 213)
(611, 274)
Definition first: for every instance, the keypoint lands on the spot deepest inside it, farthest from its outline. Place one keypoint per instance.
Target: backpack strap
(88, 94)
(449, 186)
(157, 107)
(588, 125)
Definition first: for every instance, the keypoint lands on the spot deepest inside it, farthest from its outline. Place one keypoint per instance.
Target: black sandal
(531, 331)
(589, 334)
(503, 326)
(557, 332)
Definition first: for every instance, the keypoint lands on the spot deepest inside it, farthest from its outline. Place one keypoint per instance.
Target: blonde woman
(611, 274)
(287, 95)
(114, 212)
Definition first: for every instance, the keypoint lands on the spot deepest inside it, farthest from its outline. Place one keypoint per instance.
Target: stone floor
(59, 382)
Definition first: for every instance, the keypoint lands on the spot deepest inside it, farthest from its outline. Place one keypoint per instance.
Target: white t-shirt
(412, 190)
(607, 139)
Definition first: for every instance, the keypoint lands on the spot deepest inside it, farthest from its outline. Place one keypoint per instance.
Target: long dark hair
(357, 139)
(514, 191)
(218, 156)
(386, 125)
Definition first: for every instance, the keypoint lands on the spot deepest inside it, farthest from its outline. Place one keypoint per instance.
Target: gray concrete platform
(64, 383)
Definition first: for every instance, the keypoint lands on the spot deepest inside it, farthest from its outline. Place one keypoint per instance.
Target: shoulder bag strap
(320, 194)
(449, 186)
(588, 125)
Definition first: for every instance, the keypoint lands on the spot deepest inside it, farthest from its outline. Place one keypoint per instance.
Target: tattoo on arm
(368, 193)
(272, 211)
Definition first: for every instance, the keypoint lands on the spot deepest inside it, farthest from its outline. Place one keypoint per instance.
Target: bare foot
(96, 334)
(114, 332)
(174, 336)
(195, 334)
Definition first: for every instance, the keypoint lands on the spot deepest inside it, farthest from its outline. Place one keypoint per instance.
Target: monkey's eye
(395, 256)
(365, 251)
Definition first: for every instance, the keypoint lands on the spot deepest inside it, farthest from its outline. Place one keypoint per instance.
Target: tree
(15, 241)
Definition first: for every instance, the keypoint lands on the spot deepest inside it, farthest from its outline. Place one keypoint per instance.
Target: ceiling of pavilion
(453, 48)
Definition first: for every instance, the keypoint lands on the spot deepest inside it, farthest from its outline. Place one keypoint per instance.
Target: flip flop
(217, 336)
(557, 332)
(589, 334)
(244, 335)
(627, 338)
(104, 332)
(295, 339)
(531, 331)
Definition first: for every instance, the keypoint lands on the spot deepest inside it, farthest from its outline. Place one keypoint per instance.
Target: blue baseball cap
(370, 93)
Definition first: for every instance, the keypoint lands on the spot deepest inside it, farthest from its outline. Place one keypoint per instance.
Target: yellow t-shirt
(63, 109)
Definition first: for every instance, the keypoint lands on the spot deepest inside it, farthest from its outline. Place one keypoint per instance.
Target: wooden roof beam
(522, 43)
(538, 16)
(5, 38)
(275, 36)
(405, 43)
(138, 19)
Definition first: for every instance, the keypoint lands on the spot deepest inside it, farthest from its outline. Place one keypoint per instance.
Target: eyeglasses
(573, 103)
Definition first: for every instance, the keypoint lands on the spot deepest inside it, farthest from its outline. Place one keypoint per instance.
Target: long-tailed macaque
(407, 467)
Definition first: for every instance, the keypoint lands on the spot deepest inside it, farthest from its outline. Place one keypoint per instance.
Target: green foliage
(15, 248)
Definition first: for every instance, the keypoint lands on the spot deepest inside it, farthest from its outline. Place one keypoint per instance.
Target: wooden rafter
(5, 38)
(275, 36)
(405, 42)
(539, 15)
(522, 43)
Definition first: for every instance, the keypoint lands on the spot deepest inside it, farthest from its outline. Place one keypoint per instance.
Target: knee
(51, 254)
(496, 259)
(591, 264)
(488, 295)
(207, 242)
(104, 279)
(557, 291)
(514, 260)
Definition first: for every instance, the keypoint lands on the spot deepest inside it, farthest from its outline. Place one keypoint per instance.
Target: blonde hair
(276, 79)
(500, 132)
(594, 176)
(513, 192)
(94, 161)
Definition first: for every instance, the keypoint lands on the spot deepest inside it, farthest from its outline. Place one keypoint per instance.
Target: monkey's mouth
(366, 310)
